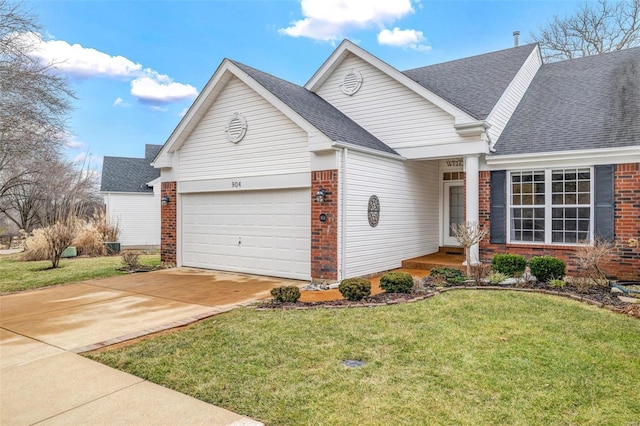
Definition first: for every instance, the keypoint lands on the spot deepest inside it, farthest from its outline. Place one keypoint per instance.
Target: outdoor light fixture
(165, 200)
(320, 195)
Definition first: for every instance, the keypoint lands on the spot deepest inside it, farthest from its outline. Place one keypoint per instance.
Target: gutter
(345, 145)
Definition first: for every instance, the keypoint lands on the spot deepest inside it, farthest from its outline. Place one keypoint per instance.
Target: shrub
(497, 277)
(547, 268)
(131, 259)
(511, 265)
(452, 275)
(286, 294)
(556, 283)
(89, 241)
(479, 272)
(36, 247)
(108, 228)
(396, 282)
(355, 288)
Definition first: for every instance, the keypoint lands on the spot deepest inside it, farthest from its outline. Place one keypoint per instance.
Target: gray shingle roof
(473, 84)
(123, 174)
(318, 112)
(587, 103)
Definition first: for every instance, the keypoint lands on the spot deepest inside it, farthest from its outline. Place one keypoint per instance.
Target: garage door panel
(273, 228)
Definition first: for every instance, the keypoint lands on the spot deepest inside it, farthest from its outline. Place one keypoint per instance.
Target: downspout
(343, 218)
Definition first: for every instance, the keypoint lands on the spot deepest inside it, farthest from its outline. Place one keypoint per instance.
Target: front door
(453, 210)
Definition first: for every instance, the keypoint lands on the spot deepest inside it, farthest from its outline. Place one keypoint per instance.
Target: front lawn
(16, 275)
(463, 357)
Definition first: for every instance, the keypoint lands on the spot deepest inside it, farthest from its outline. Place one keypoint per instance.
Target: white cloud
(328, 20)
(412, 39)
(147, 85)
(183, 112)
(84, 62)
(119, 102)
(161, 89)
(74, 144)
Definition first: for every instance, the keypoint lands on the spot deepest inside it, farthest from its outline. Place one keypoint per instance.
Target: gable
(273, 144)
(389, 110)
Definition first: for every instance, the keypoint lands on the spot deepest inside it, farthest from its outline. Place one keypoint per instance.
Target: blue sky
(136, 66)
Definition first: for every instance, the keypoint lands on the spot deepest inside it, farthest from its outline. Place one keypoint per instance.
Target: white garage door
(258, 232)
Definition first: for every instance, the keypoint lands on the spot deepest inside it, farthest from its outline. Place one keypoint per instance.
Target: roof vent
(236, 127)
(351, 82)
(515, 38)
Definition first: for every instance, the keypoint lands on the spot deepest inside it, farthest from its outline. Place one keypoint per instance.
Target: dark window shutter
(498, 213)
(604, 202)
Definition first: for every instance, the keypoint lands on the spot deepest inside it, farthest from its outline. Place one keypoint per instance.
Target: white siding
(502, 111)
(273, 144)
(138, 216)
(389, 110)
(409, 203)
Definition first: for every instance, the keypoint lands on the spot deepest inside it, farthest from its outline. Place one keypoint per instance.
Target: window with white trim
(550, 206)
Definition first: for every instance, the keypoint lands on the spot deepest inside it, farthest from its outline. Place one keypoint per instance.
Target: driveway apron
(43, 380)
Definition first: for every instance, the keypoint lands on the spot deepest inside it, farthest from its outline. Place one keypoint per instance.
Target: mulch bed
(598, 296)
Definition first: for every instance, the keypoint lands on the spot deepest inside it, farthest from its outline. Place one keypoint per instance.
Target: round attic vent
(351, 82)
(236, 127)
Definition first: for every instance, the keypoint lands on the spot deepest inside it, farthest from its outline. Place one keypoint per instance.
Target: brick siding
(168, 237)
(324, 235)
(626, 261)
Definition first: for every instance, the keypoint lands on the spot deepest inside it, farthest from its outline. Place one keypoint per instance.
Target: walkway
(44, 381)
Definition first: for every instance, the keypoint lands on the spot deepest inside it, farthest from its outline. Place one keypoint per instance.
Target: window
(550, 206)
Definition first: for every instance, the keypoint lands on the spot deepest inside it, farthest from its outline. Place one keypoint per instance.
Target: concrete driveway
(41, 331)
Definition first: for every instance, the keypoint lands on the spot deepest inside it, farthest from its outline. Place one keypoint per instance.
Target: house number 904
(236, 184)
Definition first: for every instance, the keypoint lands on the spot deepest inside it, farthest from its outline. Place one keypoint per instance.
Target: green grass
(464, 357)
(16, 275)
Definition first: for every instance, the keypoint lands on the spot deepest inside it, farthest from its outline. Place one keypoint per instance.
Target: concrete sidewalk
(44, 381)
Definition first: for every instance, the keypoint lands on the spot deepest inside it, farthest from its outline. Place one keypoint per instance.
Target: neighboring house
(544, 156)
(131, 191)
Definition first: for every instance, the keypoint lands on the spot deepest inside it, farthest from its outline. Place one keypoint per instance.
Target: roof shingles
(122, 174)
(473, 84)
(587, 103)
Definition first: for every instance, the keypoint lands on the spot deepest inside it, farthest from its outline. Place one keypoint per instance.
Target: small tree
(59, 236)
(590, 258)
(467, 235)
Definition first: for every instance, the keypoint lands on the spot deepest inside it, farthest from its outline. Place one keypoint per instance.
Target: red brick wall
(626, 260)
(627, 222)
(168, 225)
(324, 235)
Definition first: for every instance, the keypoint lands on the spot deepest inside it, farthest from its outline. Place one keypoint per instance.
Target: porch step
(439, 259)
(451, 250)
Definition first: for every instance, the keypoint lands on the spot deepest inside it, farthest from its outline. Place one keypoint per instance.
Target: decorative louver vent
(351, 82)
(373, 211)
(236, 127)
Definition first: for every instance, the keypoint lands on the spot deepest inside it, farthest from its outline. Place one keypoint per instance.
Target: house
(131, 191)
(366, 166)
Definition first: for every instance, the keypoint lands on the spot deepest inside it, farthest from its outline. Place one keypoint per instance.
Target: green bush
(286, 294)
(512, 265)
(396, 282)
(452, 275)
(557, 283)
(547, 268)
(355, 288)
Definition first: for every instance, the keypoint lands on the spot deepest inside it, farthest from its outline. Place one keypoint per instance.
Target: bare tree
(468, 234)
(35, 101)
(596, 27)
